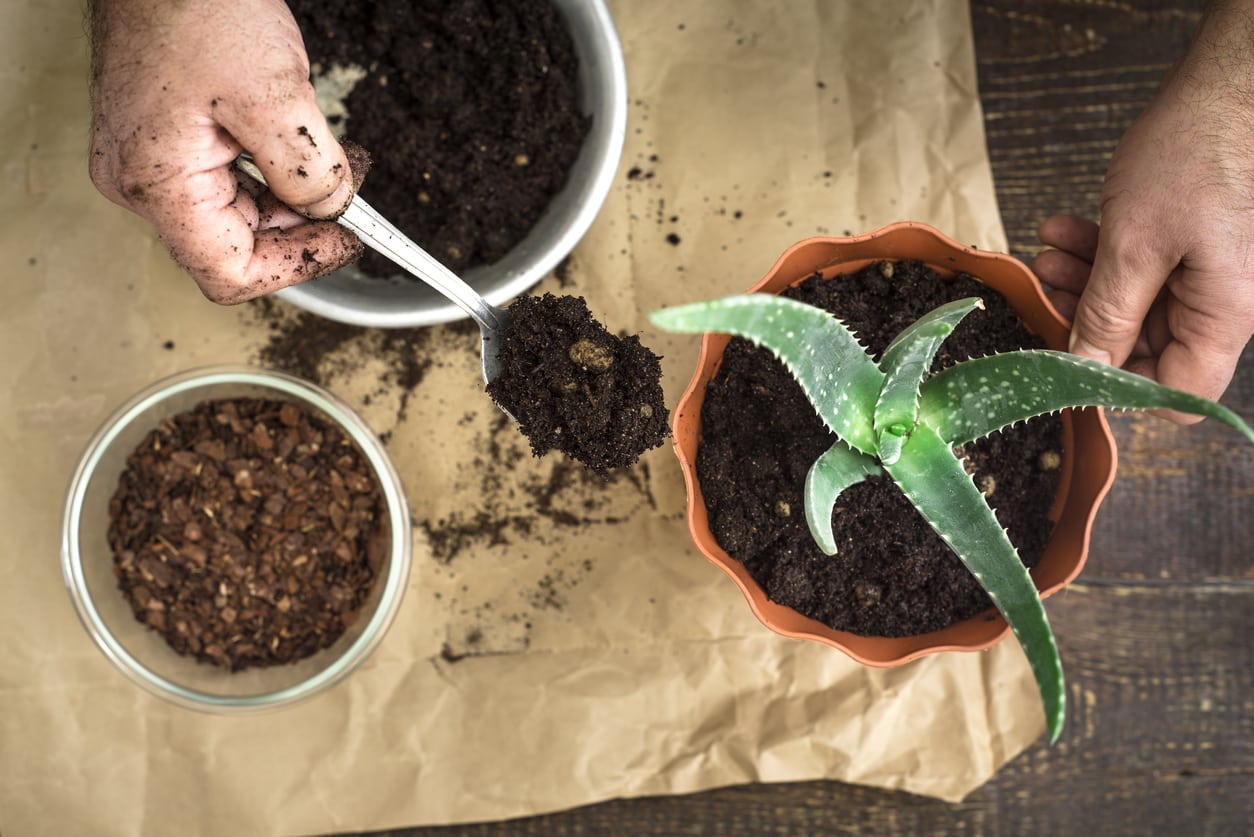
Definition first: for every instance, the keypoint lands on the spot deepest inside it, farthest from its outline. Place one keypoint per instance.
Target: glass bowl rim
(334, 410)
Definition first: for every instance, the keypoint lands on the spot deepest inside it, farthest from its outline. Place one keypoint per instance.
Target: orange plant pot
(1088, 461)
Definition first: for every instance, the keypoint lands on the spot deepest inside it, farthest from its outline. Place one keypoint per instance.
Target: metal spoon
(379, 234)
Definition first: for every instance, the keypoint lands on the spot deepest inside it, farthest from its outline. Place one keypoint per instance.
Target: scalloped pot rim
(1089, 455)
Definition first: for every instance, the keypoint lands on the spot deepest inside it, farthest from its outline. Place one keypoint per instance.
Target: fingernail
(1081, 347)
(333, 205)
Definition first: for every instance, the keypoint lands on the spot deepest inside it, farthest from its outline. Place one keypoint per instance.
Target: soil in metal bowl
(892, 575)
(575, 387)
(468, 108)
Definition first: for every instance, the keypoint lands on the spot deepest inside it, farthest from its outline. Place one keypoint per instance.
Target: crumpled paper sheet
(581, 649)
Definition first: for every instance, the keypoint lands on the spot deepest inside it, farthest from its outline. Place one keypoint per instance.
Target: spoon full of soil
(561, 376)
(380, 235)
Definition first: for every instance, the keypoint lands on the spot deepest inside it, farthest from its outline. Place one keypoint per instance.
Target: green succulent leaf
(905, 362)
(976, 397)
(836, 373)
(935, 481)
(839, 467)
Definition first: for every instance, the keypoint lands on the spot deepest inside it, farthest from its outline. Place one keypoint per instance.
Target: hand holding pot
(178, 91)
(1166, 286)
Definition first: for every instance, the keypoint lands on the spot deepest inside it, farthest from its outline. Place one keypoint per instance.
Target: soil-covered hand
(1165, 286)
(178, 91)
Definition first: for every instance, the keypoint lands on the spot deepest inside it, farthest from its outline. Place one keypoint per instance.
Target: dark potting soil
(576, 388)
(892, 574)
(247, 532)
(468, 108)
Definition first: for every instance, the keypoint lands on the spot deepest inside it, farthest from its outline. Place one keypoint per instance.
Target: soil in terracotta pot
(576, 388)
(892, 575)
(247, 532)
(468, 108)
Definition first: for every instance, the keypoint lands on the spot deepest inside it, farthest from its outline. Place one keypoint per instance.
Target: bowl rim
(333, 409)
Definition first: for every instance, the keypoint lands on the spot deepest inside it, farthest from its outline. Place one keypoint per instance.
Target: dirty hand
(1165, 287)
(178, 91)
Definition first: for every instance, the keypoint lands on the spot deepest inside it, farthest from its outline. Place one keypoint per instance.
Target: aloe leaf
(904, 363)
(976, 397)
(839, 467)
(836, 373)
(934, 480)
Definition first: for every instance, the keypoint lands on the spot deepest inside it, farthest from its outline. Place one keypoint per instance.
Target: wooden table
(1158, 635)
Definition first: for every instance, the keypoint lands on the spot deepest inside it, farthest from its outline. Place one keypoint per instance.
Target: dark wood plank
(1182, 506)
(1156, 637)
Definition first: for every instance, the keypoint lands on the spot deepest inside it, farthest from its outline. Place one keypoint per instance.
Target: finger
(1064, 303)
(247, 191)
(1062, 271)
(1128, 272)
(1189, 350)
(293, 147)
(1157, 331)
(1071, 234)
(272, 213)
(1204, 349)
(1148, 367)
(100, 163)
(207, 225)
(285, 257)
(264, 211)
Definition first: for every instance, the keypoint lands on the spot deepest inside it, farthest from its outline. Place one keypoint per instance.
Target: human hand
(178, 91)
(1165, 287)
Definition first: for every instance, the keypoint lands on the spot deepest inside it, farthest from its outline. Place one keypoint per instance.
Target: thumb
(1127, 275)
(303, 164)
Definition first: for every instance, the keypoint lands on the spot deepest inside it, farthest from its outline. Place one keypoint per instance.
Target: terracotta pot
(1088, 462)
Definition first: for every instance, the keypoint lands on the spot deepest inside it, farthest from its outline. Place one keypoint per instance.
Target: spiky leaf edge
(810, 342)
(935, 482)
(839, 467)
(974, 398)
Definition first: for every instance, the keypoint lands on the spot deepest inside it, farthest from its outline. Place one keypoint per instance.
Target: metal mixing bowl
(350, 297)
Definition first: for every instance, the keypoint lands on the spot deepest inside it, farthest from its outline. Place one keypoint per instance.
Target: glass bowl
(141, 653)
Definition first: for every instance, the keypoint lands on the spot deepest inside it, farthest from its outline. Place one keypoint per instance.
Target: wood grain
(1060, 81)
(1158, 637)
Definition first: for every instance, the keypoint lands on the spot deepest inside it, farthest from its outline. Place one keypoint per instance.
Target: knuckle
(1102, 315)
(222, 289)
(1128, 251)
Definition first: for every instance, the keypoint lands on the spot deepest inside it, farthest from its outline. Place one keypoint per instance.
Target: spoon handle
(377, 233)
(381, 236)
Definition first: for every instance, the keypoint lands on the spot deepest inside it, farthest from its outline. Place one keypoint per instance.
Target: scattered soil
(469, 109)
(322, 350)
(576, 388)
(247, 532)
(511, 498)
(892, 575)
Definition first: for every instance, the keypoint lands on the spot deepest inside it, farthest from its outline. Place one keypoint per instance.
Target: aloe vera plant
(893, 418)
